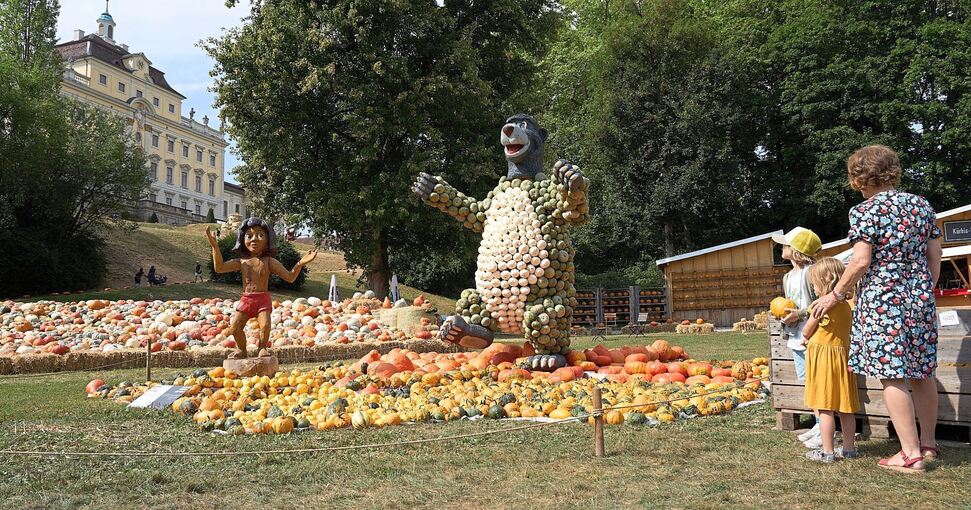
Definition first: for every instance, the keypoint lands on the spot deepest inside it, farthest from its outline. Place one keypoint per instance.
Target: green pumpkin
(472, 411)
(207, 426)
(338, 406)
(303, 423)
(496, 412)
(274, 412)
(507, 398)
(200, 373)
(233, 423)
(578, 411)
(188, 407)
(636, 418)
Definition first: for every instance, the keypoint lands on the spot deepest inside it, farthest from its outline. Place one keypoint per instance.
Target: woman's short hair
(240, 247)
(873, 165)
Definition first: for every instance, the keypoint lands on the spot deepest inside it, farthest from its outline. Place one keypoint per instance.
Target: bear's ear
(543, 133)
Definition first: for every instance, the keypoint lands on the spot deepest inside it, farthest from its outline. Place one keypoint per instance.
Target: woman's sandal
(908, 465)
(930, 453)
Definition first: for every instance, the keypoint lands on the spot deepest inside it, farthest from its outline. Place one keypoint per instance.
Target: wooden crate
(953, 380)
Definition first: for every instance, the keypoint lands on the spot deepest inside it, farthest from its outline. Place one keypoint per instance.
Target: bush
(645, 274)
(31, 266)
(210, 217)
(286, 254)
(153, 218)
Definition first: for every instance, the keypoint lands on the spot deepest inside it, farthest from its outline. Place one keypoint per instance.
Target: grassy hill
(174, 252)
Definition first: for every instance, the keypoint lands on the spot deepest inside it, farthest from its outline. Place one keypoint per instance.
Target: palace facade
(186, 157)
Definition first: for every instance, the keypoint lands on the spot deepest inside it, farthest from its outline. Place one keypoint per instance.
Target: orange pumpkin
(699, 320)
(699, 369)
(697, 379)
(635, 367)
(614, 417)
(636, 357)
(93, 386)
(510, 374)
(382, 369)
(777, 307)
(723, 379)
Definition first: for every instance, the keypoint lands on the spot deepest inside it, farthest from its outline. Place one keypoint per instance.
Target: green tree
(65, 169)
(210, 216)
(336, 107)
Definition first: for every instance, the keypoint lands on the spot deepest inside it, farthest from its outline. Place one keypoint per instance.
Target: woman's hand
(823, 305)
(792, 318)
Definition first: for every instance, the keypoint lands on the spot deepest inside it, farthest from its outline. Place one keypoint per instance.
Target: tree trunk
(378, 272)
(668, 240)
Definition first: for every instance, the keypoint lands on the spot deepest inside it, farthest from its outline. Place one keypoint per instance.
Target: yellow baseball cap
(800, 239)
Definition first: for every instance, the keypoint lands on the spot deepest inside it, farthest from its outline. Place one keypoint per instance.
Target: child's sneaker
(845, 454)
(821, 456)
(807, 435)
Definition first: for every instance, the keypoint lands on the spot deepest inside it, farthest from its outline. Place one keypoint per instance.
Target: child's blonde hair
(824, 274)
(800, 258)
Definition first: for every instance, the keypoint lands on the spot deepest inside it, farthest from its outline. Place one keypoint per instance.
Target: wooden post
(148, 360)
(598, 423)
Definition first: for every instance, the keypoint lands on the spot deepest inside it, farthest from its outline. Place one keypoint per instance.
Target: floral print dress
(895, 323)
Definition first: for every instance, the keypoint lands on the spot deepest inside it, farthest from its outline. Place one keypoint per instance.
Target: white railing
(70, 74)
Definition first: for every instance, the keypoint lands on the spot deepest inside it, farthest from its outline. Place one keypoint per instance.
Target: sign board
(954, 322)
(159, 397)
(957, 231)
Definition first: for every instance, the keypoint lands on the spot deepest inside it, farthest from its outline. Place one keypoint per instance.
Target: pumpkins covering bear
(525, 273)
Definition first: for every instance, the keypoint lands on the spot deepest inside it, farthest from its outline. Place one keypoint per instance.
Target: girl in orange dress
(830, 386)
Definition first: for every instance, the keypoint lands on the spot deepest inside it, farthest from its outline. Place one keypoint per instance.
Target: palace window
(171, 108)
(121, 87)
(198, 184)
(155, 102)
(185, 204)
(155, 141)
(185, 151)
(199, 156)
(138, 93)
(185, 179)
(102, 79)
(171, 146)
(168, 201)
(168, 178)
(212, 160)
(198, 209)
(138, 136)
(212, 187)
(225, 208)
(237, 208)
(154, 167)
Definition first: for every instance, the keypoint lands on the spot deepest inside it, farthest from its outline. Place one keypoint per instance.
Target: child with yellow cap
(800, 247)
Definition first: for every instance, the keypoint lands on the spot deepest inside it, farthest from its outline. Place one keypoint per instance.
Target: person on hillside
(897, 260)
(138, 277)
(256, 245)
(151, 275)
(218, 234)
(830, 387)
(198, 273)
(799, 246)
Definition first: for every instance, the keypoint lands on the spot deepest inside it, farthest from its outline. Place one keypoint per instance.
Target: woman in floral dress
(897, 260)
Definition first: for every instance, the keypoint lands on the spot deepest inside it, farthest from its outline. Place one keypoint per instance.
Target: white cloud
(167, 32)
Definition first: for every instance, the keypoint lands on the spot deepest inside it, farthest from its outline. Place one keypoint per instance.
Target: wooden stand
(248, 367)
(953, 382)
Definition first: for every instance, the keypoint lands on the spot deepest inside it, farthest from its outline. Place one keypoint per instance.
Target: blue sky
(168, 38)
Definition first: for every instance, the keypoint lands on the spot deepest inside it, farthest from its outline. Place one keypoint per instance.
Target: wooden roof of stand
(720, 247)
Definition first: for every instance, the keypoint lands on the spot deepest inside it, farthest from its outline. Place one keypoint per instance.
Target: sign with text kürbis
(957, 231)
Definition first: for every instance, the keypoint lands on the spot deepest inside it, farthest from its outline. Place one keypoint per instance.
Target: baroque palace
(186, 157)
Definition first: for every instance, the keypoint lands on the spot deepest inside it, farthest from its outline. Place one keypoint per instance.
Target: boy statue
(256, 245)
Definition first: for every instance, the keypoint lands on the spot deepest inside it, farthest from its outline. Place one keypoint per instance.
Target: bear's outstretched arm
(573, 188)
(434, 191)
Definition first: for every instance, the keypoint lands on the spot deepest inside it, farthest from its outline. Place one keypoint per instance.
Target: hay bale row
(203, 357)
(695, 329)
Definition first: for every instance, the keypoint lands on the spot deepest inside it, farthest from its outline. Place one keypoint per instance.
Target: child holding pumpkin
(799, 246)
(830, 387)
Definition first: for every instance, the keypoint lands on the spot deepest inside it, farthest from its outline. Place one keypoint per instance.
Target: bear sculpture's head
(523, 143)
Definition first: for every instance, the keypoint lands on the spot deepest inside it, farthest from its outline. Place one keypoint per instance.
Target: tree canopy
(336, 106)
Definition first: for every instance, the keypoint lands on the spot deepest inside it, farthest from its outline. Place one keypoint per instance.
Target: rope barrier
(586, 415)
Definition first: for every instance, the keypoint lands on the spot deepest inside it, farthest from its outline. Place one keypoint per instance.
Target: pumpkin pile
(404, 386)
(101, 325)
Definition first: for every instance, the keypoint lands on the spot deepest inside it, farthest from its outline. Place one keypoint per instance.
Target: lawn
(716, 462)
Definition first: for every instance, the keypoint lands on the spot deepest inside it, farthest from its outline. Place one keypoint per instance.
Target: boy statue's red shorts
(252, 303)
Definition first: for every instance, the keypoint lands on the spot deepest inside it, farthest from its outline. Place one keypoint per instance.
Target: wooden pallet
(953, 382)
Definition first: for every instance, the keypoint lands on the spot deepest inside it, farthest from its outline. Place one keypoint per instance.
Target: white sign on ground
(159, 397)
